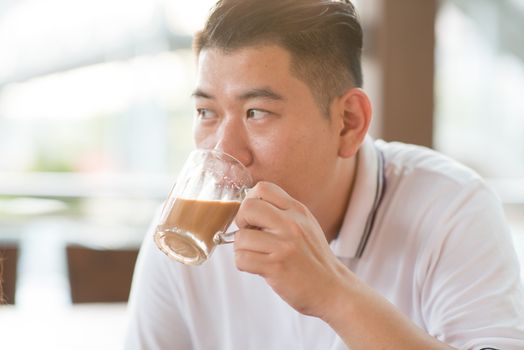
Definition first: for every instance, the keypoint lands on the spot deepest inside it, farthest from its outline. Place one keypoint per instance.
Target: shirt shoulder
(443, 234)
(404, 160)
(429, 196)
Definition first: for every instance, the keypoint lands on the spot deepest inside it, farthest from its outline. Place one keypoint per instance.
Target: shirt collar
(365, 199)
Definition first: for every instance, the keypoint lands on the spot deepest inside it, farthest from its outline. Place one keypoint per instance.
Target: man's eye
(257, 113)
(203, 113)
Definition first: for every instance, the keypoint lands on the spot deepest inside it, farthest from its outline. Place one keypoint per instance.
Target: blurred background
(96, 117)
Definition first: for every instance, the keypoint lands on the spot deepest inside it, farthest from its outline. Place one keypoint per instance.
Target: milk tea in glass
(201, 206)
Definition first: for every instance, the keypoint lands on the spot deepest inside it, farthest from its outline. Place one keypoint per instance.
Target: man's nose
(232, 139)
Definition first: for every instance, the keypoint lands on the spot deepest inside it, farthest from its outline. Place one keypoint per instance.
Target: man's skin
(250, 105)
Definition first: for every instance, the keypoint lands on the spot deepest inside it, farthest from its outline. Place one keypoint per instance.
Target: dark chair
(9, 262)
(100, 275)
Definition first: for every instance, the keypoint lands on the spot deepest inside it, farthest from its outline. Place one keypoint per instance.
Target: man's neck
(331, 214)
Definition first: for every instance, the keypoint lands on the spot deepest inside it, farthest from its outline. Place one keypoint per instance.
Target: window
(479, 106)
(95, 120)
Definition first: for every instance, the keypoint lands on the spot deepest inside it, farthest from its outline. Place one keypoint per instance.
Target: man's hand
(280, 240)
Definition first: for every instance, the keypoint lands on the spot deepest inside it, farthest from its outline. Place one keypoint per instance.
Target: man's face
(249, 105)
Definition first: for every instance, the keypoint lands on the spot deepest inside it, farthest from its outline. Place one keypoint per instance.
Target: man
(344, 242)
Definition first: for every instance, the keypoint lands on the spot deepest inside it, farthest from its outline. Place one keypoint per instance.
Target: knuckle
(301, 208)
(263, 185)
(261, 188)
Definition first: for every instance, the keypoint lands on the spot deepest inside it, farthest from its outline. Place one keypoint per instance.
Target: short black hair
(324, 38)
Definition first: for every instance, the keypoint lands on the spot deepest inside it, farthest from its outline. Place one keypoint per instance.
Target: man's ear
(353, 110)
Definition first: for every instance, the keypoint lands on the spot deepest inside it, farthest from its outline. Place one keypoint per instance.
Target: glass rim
(227, 155)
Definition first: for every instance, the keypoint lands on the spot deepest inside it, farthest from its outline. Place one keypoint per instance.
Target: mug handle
(225, 237)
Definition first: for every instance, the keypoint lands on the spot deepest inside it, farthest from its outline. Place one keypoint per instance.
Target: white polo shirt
(422, 230)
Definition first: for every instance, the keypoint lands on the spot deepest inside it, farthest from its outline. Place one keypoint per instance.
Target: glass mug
(201, 206)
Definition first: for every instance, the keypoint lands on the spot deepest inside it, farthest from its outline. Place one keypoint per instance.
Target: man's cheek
(202, 139)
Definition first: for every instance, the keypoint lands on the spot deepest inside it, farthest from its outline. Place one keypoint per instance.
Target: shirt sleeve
(472, 295)
(155, 319)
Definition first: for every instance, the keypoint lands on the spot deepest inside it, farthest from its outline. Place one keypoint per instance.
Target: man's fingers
(252, 262)
(272, 194)
(256, 212)
(255, 240)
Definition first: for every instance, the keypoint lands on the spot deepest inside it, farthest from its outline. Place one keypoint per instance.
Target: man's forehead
(247, 72)
(261, 50)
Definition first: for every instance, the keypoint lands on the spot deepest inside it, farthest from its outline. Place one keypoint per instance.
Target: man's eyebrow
(201, 94)
(265, 93)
